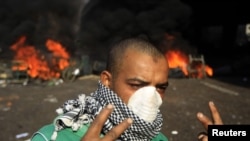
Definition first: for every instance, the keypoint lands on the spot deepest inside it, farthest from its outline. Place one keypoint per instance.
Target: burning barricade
(37, 64)
(52, 66)
(191, 66)
(30, 63)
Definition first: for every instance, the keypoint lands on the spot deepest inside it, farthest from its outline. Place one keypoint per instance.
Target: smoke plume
(90, 26)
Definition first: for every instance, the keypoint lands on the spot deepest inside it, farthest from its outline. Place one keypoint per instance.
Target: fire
(209, 70)
(36, 64)
(178, 59)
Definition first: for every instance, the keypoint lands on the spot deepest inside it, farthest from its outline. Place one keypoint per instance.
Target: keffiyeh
(83, 110)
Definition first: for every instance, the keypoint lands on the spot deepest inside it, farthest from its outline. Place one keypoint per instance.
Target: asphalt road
(24, 109)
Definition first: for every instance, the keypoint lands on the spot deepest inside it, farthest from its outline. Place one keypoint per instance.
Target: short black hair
(117, 51)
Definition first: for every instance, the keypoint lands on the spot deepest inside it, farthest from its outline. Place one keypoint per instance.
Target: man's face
(139, 70)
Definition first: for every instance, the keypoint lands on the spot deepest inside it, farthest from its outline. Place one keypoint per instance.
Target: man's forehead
(135, 53)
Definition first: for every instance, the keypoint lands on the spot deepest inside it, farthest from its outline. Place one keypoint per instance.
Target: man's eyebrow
(137, 80)
(163, 84)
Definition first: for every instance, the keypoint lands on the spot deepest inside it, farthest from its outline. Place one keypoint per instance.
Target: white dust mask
(145, 103)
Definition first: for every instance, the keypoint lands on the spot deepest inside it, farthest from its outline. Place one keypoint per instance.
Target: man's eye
(136, 86)
(161, 89)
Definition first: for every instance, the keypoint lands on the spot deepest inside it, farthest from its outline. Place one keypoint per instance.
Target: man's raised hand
(205, 121)
(94, 131)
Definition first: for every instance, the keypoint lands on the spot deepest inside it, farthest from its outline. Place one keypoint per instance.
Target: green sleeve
(160, 137)
(45, 133)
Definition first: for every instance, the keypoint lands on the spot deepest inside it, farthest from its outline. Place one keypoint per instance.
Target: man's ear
(106, 78)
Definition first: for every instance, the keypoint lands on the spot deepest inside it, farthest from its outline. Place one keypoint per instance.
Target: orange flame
(178, 59)
(36, 64)
(209, 70)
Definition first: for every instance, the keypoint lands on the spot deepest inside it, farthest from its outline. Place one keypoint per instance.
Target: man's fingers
(204, 120)
(115, 132)
(94, 130)
(202, 137)
(215, 114)
(97, 124)
(216, 119)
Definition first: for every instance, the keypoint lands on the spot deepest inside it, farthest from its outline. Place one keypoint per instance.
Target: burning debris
(184, 61)
(197, 67)
(39, 65)
(182, 65)
(31, 63)
(54, 66)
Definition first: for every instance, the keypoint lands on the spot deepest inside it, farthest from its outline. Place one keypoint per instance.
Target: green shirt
(45, 133)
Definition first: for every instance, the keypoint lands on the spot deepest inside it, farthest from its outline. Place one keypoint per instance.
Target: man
(132, 87)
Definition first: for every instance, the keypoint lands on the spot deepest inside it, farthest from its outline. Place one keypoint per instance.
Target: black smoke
(105, 22)
(90, 26)
(39, 20)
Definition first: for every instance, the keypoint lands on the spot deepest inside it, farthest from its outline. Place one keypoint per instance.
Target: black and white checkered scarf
(75, 113)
